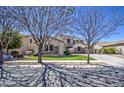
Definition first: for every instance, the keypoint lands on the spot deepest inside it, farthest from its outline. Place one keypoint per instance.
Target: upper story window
(51, 47)
(30, 41)
(78, 41)
(82, 41)
(68, 41)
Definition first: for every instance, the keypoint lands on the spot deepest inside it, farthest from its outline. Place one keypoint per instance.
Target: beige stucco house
(56, 47)
(119, 45)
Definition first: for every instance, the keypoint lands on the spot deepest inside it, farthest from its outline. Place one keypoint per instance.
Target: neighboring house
(97, 49)
(119, 45)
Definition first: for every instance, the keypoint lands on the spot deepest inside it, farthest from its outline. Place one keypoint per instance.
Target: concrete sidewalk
(57, 61)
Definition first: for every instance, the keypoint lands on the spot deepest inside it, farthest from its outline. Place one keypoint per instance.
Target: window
(78, 41)
(30, 41)
(68, 40)
(46, 48)
(78, 48)
(73, 41)
(51, 47)
(81, 41)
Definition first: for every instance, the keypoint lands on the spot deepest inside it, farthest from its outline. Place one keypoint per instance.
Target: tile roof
(111, 43)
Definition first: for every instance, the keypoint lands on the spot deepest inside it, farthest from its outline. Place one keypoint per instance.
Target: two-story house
(56, 47)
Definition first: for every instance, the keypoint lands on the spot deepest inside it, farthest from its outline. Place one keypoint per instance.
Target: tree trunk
(1, 62)
(88, 55)
(39, 54)
(7, 51)
(1, 57)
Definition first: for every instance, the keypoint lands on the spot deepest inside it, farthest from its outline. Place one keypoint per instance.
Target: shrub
(20, 56)
(109, 50)
(35, 54)
(67, 53)
(14, 53)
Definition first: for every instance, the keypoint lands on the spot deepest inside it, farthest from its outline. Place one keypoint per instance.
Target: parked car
(7, 57)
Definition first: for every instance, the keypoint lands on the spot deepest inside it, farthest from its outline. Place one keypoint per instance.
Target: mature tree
(43, 23)
(15, 43)
(92, 25)
(7, 26)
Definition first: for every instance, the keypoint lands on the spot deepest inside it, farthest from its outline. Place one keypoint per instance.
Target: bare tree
(92, 24)
(44, 23)
(41, 22)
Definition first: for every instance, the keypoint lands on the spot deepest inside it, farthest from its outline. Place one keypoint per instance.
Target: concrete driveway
(108, 59)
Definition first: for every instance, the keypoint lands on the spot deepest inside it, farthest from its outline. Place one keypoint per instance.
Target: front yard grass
(71, 57)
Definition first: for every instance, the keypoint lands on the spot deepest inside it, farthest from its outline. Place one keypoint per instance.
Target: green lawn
(71, 57)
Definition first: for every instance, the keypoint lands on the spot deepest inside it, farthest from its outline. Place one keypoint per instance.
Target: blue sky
(119, 36)
(107, 10)
(120, 30)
